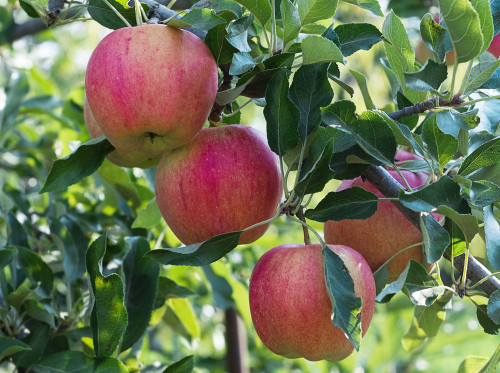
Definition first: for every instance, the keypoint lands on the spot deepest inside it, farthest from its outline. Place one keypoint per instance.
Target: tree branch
(389, 187)
(422, 107)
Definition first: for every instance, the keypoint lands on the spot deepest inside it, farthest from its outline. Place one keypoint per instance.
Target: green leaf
(77, 362)
(75, 246)
(311, 11)
(241, 63)
(309, 91)
(141, 283)
(433, 35)
(441, 147)
(479, 75)
(103, 14)
(485, 155)
(436, 238)
(185, 365)
(219, 46)
(356, 36)
(107, 327)
(83, 162)
(352, 203)
(120, 179)
(261, 9)
(184, 312)
(9, 346)
(493, 307)
(403, 135)
(421, 288)
(398, 47)
(371, 5)
(482, 8)
(39, 312)
(238, 37)
(170, 289)
(451, 122)
(317, 49)
(291, 21)
(472, 364)
(28, 8)
(346, 306)
(16, 233)
(361, 80)
(371, 133)
(424, 324)
(199, 254)
(492, 233)
(429, 77)
(37, 340)
(282, 116)
(444, 191)
(467, 223)
(202, 19)
(478, 193)
(464, 26)
(315, 171)
(148, 217)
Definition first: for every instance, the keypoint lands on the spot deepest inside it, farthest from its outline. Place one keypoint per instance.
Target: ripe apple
(119, 158)
(386, 232)
(226, 179)
(290, 307)
(151, 87)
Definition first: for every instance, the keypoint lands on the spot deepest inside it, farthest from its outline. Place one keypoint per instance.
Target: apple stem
(300, 215)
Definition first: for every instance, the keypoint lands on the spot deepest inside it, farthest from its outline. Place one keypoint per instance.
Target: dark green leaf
(28, 8)
(315, 171)
(485, 155)
(141, 283)
(340, 112)
(74, 251)
(310, 90)
(261, 9)
(9, 346)
(37, 340)
(107, 327)
(218, 44)
(356, 36)
(16, 235)
(480, 74)
(363, 86)
(238, 37)
(78, 362)
(467, 223)
(492, 232)
(35, 269)
(436, 238)
(83, 162)
(291, 21)
(404, 136)
(478, 193)
(381, 275)
(429, 77)
(441, 147)
(185, 365)
(489, 326)
(282, 116)
(493, 307)
(444, 191)
(15, 95)
(199, 254)
(39, 312)
(346, 306)
(352, 203)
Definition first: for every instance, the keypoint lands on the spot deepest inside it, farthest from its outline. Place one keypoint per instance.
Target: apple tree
(146, 225)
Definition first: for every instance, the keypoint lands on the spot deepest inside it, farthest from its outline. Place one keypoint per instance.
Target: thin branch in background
(424, 106)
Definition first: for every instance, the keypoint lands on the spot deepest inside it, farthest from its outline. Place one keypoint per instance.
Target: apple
(119, 158)
(225, 180)
(151, 87)
(386, 232)
(290, 307)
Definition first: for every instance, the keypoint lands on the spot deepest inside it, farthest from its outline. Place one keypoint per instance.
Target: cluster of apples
(289, 302)
(150, 90)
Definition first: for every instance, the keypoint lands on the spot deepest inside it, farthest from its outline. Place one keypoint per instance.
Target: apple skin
(119, 158)
(290, 307)
(225, 180)
(151, 79)
(386, 232)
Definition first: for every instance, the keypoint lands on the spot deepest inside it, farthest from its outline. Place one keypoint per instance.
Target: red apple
(151, 87)
(386, 232)
(226, 179)
(119, 158)
(290, 307)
